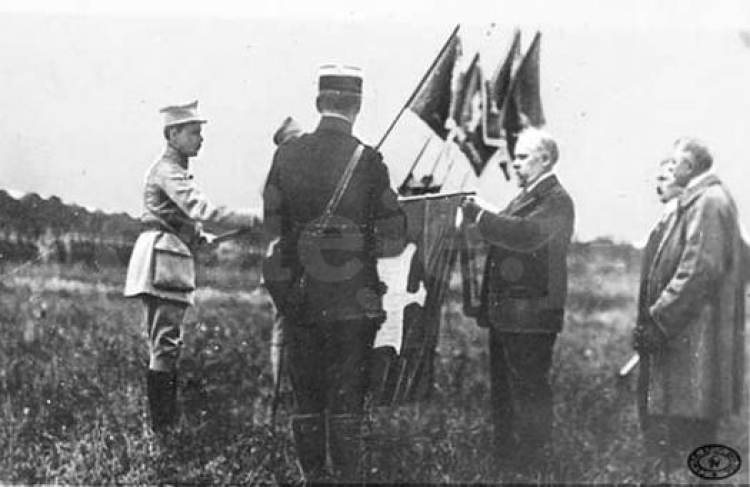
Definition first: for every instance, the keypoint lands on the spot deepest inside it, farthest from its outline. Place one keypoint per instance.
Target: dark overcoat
(341, 274)
(526, 276)
(696, 296)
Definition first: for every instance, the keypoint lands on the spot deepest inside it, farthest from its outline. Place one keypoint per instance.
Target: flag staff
(419, 86)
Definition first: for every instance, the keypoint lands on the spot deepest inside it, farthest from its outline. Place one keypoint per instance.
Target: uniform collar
(173, 155)
(335, 123)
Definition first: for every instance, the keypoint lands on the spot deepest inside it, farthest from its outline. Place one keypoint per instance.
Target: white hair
(543, 141)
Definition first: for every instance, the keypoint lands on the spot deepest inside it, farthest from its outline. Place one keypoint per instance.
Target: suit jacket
(526, 277)
(172, 200)
(695, 295)
(341, 279)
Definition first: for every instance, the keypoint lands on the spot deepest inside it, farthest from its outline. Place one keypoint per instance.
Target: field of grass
(72, 390)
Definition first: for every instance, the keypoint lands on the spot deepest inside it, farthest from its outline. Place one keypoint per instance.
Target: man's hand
(207, 239)
(470, 209)
(648, 338)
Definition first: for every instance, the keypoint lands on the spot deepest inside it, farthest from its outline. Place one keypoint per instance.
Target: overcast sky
(81, 84)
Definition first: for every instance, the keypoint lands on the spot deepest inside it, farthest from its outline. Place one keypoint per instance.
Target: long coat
(174, 210)
(342, 281)
(526, 276)
(695, 295)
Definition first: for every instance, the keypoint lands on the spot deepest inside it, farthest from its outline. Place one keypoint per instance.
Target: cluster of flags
(481, 115)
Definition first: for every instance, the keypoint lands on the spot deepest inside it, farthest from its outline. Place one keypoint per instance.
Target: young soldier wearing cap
(337, 312)
(161, 270)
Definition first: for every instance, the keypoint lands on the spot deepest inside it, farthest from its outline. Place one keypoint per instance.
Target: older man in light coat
(692, 327)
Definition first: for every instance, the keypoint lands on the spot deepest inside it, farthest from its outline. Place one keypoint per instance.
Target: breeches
(328, 365)
(521, 391)
(163, 326)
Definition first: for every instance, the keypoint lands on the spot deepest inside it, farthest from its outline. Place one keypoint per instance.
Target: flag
(432, 101)
(498, 88)
(467, 115)
(524, 102)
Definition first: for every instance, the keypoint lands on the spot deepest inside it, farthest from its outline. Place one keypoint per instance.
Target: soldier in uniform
(523, 299)
(337, 308)
(162, 266)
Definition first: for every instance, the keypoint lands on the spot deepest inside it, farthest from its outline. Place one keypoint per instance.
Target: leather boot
(162, 400)
(346, 446)
(310, 441)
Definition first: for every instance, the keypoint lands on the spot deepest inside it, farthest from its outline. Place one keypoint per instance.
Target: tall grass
(72, 399)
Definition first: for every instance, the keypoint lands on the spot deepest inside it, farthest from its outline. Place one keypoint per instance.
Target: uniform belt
(150, 226)
(160, 227)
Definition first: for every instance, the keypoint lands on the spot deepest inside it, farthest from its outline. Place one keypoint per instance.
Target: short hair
(338, 102)
(168, 128)
(544, 141)
(698, 150)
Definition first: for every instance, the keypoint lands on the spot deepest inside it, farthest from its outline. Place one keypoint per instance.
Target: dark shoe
(310, 440)
(162, 400)
(346, 446)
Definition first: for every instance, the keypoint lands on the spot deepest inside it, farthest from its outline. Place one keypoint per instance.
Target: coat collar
(539, 190)
(335, 124)
(691, 193)
(687, 198)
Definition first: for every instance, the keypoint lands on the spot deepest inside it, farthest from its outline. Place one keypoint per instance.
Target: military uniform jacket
(175, 208)
(341, 279)
(695, 294)
(526, 278)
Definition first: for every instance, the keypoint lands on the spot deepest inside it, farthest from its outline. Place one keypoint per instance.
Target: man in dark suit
(334, 315)
(523, 298)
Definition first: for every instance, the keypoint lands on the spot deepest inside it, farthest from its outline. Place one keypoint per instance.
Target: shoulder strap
(338, 193)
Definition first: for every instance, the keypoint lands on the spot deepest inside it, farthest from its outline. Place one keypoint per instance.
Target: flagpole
(416, 161)
(419, 86)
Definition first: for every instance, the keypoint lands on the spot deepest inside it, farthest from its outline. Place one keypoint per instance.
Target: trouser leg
(306, 370)
(348, 347)
(523, 394)
(163, 324)
(503, 402)
(309, 433)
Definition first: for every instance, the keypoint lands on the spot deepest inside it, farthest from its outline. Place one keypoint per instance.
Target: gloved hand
(207, 239)
(648, 338)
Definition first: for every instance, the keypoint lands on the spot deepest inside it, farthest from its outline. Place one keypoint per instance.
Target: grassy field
(72, 392)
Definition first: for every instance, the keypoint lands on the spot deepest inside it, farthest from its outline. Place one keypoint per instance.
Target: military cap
(340, 78)
(179, 114)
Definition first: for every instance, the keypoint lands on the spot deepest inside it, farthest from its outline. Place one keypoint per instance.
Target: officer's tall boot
(162, 400)
(310, 440)
(346, 446)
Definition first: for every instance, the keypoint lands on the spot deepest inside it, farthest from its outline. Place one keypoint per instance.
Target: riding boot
(162, 400)
(346, 446)
(310, 440)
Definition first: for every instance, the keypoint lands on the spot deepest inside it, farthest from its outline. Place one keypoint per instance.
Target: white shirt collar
(671, 205)
(335, 115)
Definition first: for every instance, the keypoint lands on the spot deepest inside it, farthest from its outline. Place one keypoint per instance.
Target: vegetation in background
(72, 380)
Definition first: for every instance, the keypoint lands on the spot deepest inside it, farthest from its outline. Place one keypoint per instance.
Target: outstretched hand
(207, 239)
(470, 209)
